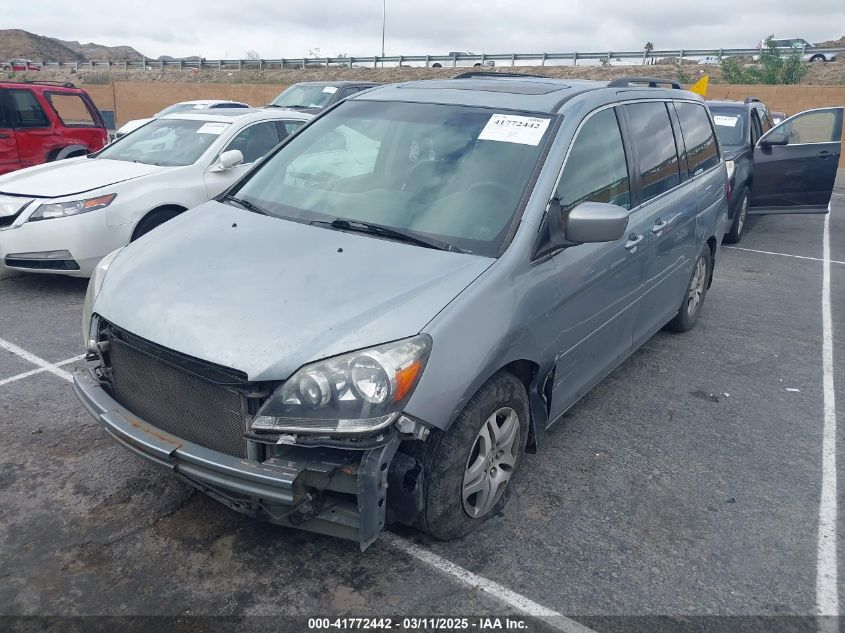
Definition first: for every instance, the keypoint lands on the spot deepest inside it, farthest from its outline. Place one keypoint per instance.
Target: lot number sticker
(212, 128)
(330, 89)
(509, 128)
(726, 121)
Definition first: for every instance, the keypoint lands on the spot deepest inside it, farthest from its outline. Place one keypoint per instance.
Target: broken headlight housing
(352, 394)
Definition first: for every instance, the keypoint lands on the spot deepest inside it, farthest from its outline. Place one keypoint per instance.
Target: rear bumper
(330, 491)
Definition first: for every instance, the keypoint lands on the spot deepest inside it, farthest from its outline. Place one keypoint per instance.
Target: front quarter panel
(504, 316)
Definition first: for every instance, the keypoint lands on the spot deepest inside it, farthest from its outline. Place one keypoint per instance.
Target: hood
(72, 176)
(265, 295)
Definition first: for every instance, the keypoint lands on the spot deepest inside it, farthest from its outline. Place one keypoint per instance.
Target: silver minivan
(380, 319)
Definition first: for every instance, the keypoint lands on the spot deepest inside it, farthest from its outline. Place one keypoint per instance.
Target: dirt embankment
(820, 73)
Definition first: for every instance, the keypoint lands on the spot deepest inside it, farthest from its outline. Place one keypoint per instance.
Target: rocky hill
(20, 43)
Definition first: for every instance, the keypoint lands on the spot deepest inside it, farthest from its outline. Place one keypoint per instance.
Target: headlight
(51, 210)
(731, 167)
(94, 286)
(351, 394)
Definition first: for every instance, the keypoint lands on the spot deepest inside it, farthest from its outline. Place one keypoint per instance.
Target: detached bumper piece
(338, 492)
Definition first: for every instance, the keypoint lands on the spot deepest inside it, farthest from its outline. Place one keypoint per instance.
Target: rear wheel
(738, 227)
(690, 309)
(472, 464)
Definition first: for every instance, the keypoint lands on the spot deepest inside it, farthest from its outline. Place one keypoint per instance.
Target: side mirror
(228, 160)
(776, 138)
(596, 222)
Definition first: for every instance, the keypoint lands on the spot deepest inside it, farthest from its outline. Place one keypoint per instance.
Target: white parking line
(827, 591)
(43, 365)
(41, 370)
(815, 259)
(508, 597)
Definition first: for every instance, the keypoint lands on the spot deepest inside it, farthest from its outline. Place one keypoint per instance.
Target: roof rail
(651, 82)
(62, 84)
(492, 73)
(752, 100)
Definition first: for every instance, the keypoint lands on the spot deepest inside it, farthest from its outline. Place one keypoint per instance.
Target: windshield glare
(305, 96)
(730, 125)
(436, 171)
(168, 142)
(180, 107)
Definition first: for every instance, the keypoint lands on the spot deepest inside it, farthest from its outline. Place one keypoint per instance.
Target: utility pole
(383, 24)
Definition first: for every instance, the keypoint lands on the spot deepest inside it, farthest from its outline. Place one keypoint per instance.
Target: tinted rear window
(654, 142)
(701, 150)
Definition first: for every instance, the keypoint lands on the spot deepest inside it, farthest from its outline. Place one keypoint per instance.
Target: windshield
(730, 125)
(305, 96)
(181, 107)
(169, 142)
(453, 174)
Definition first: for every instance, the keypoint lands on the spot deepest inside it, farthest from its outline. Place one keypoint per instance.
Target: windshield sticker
(509, 128)
(330, 89)
(213, 128)
(727, 121)
(199, 106)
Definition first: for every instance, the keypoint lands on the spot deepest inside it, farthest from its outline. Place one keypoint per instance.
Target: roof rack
(492, 73)
(62, 84)
(651, 82)
(752, 100)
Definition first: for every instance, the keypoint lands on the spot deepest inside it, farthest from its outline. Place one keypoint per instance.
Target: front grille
(176, 401)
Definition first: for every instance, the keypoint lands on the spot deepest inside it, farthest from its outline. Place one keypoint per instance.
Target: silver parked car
(377, 321)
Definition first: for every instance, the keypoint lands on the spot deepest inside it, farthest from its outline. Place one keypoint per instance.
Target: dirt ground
(832, 73)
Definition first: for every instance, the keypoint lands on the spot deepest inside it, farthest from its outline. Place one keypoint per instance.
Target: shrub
(773, 67)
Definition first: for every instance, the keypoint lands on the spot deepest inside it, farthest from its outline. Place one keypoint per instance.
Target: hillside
(20, 43)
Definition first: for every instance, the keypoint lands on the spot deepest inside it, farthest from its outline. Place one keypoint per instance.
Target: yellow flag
(700, 86)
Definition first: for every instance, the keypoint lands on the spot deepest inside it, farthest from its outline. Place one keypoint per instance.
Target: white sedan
(63, 217)
(181, 107)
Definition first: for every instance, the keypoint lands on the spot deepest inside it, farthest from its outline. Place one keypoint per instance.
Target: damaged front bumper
(338, 492)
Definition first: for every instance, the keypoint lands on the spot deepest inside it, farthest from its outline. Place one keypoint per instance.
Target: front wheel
(471, 466)
(817, 58)
(693, 302)
(738, 226)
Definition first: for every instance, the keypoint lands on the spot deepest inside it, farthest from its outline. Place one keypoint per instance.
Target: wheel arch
(66, 152)
(162, 208)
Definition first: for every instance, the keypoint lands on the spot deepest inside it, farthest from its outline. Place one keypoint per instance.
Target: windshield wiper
(292, 107)
(385, 231)
(246, 204)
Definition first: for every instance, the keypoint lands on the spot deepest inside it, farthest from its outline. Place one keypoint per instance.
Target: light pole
(383, 23)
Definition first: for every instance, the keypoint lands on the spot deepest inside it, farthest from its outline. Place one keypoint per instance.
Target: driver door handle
(658, 227)
(826, 154)
(633, 241)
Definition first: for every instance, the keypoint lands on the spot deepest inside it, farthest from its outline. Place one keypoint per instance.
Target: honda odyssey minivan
(380, 319)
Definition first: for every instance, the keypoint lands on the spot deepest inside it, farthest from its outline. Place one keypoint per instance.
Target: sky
(276, 28)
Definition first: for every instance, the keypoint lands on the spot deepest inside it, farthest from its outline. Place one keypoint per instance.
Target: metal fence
(453, 60)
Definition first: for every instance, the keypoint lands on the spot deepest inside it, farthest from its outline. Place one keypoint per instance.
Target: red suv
(42, 122)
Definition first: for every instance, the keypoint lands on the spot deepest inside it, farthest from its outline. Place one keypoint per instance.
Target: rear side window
(699, 140)
(72, 109)
(596, 169)
(654, 143)
(28, 111)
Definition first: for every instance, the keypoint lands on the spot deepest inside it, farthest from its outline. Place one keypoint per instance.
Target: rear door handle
(633, 241)
(658, 227)
(825, 154)
(3, 135)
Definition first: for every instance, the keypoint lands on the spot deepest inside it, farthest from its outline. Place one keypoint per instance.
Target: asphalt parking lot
(687, 483)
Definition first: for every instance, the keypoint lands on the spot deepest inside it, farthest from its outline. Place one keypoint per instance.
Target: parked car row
(376, 320)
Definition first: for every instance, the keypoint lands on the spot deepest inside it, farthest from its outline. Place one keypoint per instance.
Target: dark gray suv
(378, 330)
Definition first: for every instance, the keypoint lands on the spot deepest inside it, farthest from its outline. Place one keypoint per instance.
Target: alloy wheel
(491, 462)
(696, 286)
